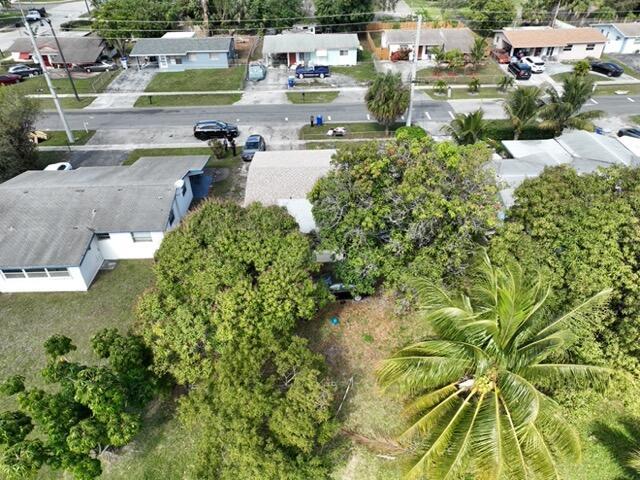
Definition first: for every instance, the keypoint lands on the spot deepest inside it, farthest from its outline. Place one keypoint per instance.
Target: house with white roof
(621, 37)
(57, 228)
(331, 49)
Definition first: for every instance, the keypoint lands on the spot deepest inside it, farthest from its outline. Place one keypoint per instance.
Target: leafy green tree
(440, 87)
(537, 12)
(581, 68)
(454, 58)
(522, 107)
(485, 16)
(17, 117)
(411, 206)
(478, 51)
(467, 128)
(336, 12)
(563, 110)
(14, 427)
(480, 384)
(387, 98)
(274, 13)
(474, 85)
(505, 83)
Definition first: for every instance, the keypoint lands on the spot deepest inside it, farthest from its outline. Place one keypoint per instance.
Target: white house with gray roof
(331, 49)
(179, 53)
(621, 37)
(58, 227)
(446, 38)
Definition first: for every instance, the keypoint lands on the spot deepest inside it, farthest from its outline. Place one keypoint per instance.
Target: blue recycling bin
(291, 81)
(319, 120)
(599, 131)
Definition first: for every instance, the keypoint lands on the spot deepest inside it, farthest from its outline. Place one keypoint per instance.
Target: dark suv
(209, 129)
(607, 68)
(521, 71)
(315, 71)
(25, 70)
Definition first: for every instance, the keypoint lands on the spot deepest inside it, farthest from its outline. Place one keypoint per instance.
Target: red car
(500, 55)
(9, 79)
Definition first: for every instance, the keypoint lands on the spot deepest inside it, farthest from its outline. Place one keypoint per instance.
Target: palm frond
(568, 374)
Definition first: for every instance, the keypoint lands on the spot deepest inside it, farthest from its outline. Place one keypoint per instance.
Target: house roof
(77, 50)
(450, 38)
(308, 42)
(626, 29)
(538, 37)
(179, 46)
(47, 218)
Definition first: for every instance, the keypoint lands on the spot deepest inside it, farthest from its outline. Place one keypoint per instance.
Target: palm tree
(474, 85)
(563, 111)
(387, 98)
(478, 51)
(581, 68)
(477, 406)
(505, 83)
(440, 87)
(522, 107)
(467, 128)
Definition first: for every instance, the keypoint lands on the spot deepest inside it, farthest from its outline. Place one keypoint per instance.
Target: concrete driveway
(630, 60)
(131, 80)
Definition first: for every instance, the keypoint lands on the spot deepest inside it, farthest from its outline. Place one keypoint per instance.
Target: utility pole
(555, 14)
(49, 83)
(414, 65)
(64, 62)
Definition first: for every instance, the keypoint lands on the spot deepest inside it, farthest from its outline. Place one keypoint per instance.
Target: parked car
(341, 290)
(257, 72)
(59, 166)
(25, 70)
(501, 56)
(536, 64)
(607, 68)
(33, 15)
(629, 132)
(100, 67)
(255, 143)
(9, 79)
(312, 71)
(209, 129)
(520, 70)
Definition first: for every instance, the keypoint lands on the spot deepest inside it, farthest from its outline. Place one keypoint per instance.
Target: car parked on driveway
(629, 132)
(33, 16)
(210, 129)
(607, 68)
(257, 72)
(254, 143)
(520, 70)
(100, 67)
(25, 71)
(9, 79)
(536, 64)
(312, 71)
(501, 56)
(62, 166)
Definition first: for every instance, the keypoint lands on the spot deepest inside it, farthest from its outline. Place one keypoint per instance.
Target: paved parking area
(131, 80)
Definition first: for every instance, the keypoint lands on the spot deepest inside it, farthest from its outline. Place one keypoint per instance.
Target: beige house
(554, 44)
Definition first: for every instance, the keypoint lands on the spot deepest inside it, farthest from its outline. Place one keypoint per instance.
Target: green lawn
(354, 131)
(611, 89)
(95, 84)
(635, 119)
(559, 77)
(627, 69)
(463, 93)
(363, 72)
(58, 138)
(312, 97)
(488, 73)
(198, 80)
(336, 144)
(66, 103)
(148, 101)
(160, 152)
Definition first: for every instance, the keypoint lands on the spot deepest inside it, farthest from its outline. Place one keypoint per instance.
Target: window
(344, 53)
(567, 48)
(58, 272)
(550, 51)
(213, 56)
(183, 190)
(637, 41)
(172, 217)
(13, 273)
(35, 272)
(618, 37)
(591, 46)
(178, 61)
(192, 57)
(103, 236)
(141, 236)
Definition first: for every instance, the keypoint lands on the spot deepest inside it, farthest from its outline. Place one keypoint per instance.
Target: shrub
(503, 130)
(440, 87)
(410, 133)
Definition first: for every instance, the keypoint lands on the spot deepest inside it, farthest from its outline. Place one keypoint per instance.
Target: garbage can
(124, 62)
(599, 131)
(291, 82)
(319, 120)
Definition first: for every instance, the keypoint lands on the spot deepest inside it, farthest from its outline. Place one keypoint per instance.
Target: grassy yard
(66, 103)
(198, 80)
(160, 152)
(611, 89)
(186, 100)
(312, 97)
(463, 93)
(354, 131)
(335, 144)
(488, 73)
(58, 138)
(95, 84)
(627, 69)
(635, 119)
(559, 77)
(363, 72)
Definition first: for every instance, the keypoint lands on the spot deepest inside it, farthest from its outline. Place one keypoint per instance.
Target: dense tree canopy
(17, 117)
(485, 16)
(411, 205)
(337, 12)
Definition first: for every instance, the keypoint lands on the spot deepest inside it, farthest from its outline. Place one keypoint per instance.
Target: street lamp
(64, 62)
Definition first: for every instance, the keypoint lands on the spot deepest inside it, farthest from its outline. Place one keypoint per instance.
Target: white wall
(332, 57)
(121, 246)
(91, 262)
(579, 52)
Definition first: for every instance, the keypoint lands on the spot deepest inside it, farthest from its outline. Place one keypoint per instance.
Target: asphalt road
(137, 118)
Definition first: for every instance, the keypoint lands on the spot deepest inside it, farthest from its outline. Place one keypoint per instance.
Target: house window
(103, 236)
(550, 51)
(35, 272)
(636, 41)
(58, 272)
(172, 217)
(183, 190)
(567, 48)
(192, 57)
(344, 53)
(13, 273)
(618, 37)
(141, 237)
(591, 46)
(178, 61)
(213, 56)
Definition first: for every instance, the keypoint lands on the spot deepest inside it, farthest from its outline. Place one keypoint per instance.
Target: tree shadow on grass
(622, 439)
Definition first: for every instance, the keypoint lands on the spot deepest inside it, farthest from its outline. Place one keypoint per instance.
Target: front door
(292, 59)
(162, 61)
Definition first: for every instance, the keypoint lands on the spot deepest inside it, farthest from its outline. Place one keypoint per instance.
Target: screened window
(567, 48)
(591, 46)
(141, 236)
(344, 53)
(58, 272)
(35, 272)
(11, 273)
(178, 61)
(192, 57)
(103, 236)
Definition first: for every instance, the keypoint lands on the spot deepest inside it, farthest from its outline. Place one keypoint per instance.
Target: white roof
(179, 35)
(307, 42)
(524, 148)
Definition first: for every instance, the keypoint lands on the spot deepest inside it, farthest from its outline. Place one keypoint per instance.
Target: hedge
(502, 130)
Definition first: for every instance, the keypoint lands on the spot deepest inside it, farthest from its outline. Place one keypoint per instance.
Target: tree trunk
(205, 14)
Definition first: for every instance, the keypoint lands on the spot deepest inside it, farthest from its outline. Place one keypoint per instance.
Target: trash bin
(319, 120)
(124, 62)
(599, 131)
(291, 82)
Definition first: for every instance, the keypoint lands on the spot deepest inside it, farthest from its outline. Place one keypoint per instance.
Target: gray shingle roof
(451, 38)
(77, 50)
(308, 42)
(47, 218)
(179, 46)
(631, 29)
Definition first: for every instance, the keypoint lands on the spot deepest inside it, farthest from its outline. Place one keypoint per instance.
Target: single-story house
(58, 227)
(311, 49)
(285, 178)
(551, 43)
(621, 37)
(76, 50)
(584, 151)
(447, 38)
(181, 53)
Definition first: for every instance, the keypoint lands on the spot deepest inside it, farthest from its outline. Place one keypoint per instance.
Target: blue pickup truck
(312, 71)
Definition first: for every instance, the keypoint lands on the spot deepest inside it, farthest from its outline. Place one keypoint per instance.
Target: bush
(503, 130)
(217, 149)
(440, 87)
(413, 132)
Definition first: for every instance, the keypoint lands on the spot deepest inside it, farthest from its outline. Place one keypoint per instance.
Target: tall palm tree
(522, 107)
(387, 98)
(563, 110)
(477, 405)
(467, 128)
(478, 51)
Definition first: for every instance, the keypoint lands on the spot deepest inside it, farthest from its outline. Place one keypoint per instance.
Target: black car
(629, 132)
(314, 71)
(26, 70)
(255, 143)
(208, 129)
(607, 68)
(520, 70)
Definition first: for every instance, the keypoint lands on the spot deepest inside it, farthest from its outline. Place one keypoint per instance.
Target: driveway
(130, 80)
(630, 60)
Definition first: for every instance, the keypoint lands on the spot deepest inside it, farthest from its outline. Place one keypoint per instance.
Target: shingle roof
(308, 42)
(451, 38)
(551, 37)
(627, 29)
(179, 46)
(77, 50)
(47, 218)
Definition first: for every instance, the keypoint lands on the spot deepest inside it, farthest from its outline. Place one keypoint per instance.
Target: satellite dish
(179, 184)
